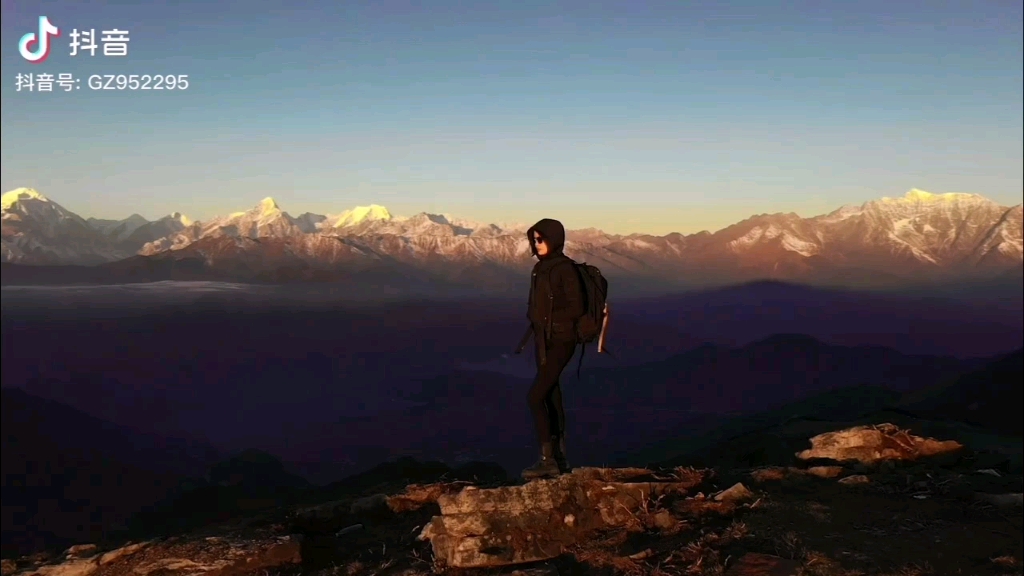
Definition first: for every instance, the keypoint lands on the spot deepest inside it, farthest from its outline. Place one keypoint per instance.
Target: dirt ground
(925, 523)
(919, 518)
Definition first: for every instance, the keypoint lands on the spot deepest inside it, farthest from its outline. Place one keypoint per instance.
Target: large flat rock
(541, 519)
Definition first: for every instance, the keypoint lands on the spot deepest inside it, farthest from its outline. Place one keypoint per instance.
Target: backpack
(595, 304)
(591, 326)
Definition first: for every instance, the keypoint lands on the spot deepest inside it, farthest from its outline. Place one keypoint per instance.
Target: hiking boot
(545, 467)
(560, 458)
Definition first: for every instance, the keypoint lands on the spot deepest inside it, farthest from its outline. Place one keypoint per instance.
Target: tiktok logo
(41, 41)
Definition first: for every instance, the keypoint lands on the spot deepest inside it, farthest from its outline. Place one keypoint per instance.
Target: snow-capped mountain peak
(918, 235)
(38, 230)
(843, 212)
(918, 202)
(9, 199)
(920, 198)
(360, 214)
(24, 204)
(914, 202)
(268, 206)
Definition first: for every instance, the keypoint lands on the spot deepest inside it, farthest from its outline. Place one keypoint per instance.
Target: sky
(625, 116)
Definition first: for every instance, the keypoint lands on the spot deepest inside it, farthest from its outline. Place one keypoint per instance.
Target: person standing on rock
(555, 305)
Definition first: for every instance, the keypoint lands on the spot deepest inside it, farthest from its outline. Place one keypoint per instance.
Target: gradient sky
(628, 116)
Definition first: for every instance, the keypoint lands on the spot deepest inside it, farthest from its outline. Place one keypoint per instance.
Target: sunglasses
(538, 240)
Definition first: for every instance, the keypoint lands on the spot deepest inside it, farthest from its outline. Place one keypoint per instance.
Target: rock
(80, 551)
(753, 564)
(74, 567)
(777, 473)
(736, 493)
(122, 552)
(7, 566)
(873, 444)
(349, 529)
(663, 520)
(769, 474)
(826, 472)
(642, 555)
(206, 556)
(165, 565)
(541, 519)
(855, 479)
(1002, 500)
(416, 496)
(226, 558)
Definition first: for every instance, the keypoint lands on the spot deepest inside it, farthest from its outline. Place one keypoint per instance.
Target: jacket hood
(552, 232)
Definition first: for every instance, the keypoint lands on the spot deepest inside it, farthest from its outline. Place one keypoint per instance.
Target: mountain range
(919, 237)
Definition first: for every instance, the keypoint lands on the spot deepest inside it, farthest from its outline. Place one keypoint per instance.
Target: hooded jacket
(556, 294)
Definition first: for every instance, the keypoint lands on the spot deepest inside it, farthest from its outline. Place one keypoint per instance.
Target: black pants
(545, 397)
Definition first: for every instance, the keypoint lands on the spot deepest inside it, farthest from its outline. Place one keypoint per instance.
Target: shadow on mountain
(244, 483)
(989, 397)
(764, 374)
(991, 429)
(255, 492)
(335, 391)
(69, 477)
(614, 410)
(956, 321)
(215, 368)
(355, 374)
(405, 470)
(254, 483)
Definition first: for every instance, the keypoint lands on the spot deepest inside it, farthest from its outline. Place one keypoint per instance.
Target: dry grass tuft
(690, 475)
(818, 564)
(913, 570)
(769, 474)
(700, 557)
(600, 553)
(350, 569)
(698, 507)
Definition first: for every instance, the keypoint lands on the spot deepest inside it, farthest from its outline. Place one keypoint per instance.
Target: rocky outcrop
(544, 518)
(871, 444)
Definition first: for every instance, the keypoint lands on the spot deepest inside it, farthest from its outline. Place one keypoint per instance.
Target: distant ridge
(917, 239)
